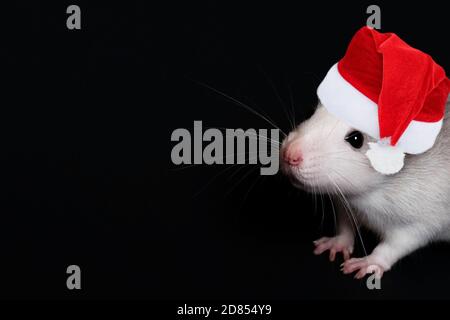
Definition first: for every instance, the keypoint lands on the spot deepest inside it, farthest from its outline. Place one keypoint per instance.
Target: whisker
(354, 161)
(315, 196)
(185, 167)
(274, 89)
(241, 104)
(240, 181)
(345, 178)
(334, 213)
(252, 135)
(339, 151)
(225, 157)
(323, 211)
(291, 97)
(231, 177)
(212, 180)
(334, 127)
(350, 212)
(265, 138)
(216, 176)
(249, 190)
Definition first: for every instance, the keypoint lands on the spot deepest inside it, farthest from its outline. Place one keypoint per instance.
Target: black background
(87, 117)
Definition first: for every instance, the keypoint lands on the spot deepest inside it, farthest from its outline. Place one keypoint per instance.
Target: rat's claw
(352, 265)
(321, 240)
(346, 253)
(332, 254)
(364, 266)
(335, 245)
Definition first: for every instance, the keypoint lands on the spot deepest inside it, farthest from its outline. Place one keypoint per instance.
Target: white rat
(407, 210)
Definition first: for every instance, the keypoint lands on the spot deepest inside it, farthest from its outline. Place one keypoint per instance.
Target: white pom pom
(385, 158)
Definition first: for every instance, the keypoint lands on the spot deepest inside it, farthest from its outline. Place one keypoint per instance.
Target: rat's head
(324, 154)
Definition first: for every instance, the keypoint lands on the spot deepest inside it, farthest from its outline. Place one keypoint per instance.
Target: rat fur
(407, 210)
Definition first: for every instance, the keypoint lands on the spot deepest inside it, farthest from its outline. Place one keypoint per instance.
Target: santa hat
(390, 91)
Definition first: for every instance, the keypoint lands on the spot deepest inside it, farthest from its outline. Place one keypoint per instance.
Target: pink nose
(293, 155)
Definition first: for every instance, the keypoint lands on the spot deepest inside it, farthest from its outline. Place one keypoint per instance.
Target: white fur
(407, 210)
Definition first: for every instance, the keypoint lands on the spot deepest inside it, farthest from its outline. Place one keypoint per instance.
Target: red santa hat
(390, 91)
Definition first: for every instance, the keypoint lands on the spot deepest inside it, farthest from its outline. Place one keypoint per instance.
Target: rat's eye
(356, 139)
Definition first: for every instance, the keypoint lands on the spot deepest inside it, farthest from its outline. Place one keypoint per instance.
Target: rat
(406, 210)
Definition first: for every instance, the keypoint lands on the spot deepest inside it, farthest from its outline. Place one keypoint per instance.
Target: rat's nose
(292, 154)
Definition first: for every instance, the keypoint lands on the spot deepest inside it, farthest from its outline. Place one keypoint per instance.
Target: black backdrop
(87, 118)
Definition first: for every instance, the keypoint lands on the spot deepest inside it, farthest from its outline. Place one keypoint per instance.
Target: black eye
(356, 139)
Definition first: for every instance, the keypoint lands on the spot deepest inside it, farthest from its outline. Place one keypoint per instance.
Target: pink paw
(363, 266)
(336, 244)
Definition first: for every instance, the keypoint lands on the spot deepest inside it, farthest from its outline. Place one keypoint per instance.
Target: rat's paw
(336, 244)
(363, 266)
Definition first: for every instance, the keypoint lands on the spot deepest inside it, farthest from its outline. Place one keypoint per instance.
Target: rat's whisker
(230, 155)
(335, 152)
(240, 181)
(315, 194)
(231, 177)
(334, 213)
(274, 89)
(264, 138)
(323, 211)
(213, 179)
(243, 105)
(345, 179)
(226, 156)
(349, 211)
(258, 136)
(216, 176)
(353, 161)
(249, 190)
(334, 127)
(291, 97)
(186, 166)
